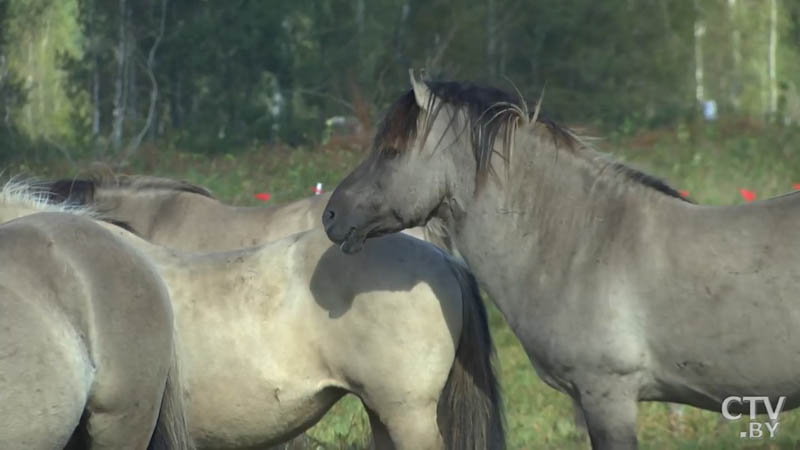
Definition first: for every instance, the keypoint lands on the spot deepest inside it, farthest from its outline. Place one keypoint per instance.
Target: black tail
(171, 431)
(470, 409)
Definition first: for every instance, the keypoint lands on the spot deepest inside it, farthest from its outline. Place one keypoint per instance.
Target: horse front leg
(609, 408)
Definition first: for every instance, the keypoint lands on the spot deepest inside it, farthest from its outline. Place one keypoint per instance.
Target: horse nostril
(329, 215)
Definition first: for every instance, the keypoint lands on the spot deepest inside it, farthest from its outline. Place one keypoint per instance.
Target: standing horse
(274, 335)
(187, 217)
(87, 358)
(618, 290)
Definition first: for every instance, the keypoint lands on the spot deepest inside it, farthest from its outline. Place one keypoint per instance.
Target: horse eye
(390, 152)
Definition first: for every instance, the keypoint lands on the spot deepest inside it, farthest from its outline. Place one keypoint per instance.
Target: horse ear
(421, 91)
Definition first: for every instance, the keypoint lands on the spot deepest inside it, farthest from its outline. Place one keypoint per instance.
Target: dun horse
(187, 217)
(285, 330)
(619, 290)
(87, 358)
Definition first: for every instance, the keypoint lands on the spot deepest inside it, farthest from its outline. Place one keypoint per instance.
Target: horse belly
(714, 346)
(252, 385)
(268, 412)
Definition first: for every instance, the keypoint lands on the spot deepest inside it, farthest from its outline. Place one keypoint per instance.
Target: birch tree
(772, 106)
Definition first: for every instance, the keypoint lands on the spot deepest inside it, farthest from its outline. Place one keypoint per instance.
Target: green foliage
(38, 35)
(229, 75)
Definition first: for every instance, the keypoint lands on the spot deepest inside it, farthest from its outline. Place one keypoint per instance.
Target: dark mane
(488, 112)
(77, 192)
(649, 181)
(82, 191)
(148, 183)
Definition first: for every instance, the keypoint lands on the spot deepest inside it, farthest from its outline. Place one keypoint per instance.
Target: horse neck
(138, 209)
(253, 224)
(558, 207)
(160, 256)
(265, 224)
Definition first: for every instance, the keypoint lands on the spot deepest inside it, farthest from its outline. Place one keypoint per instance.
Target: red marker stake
(748, 196)
(263, 196)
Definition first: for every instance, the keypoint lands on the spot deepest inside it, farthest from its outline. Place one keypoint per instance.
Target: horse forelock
(399, 125)
(488, 111)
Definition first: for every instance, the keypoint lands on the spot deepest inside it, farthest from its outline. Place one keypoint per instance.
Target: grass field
(712, 163)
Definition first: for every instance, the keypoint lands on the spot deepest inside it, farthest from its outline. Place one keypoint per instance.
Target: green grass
(711, 163)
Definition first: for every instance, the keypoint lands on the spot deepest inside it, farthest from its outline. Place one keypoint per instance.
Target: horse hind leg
(407, 428)
(123, 411)
(129, 428)
(157, 425)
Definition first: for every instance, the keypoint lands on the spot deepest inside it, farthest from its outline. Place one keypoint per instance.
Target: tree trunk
(360, 30)
(6, 104)
(92, 33)
(95, 97)
(132, 101)
(699, 31)
(491, 37)
(736, 55)
(772, 69)
(176, 105)
(399, 49)
(118, 113)
(151, 111)
(503, 54)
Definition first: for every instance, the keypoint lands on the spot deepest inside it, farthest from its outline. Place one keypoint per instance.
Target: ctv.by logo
(754, 429)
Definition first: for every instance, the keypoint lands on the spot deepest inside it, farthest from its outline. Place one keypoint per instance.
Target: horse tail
(470, 409)
(171, 431)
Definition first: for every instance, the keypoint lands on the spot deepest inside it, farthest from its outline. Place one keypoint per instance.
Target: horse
(186, 216)
(298, 325)
(619, 290)
(88, 355)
